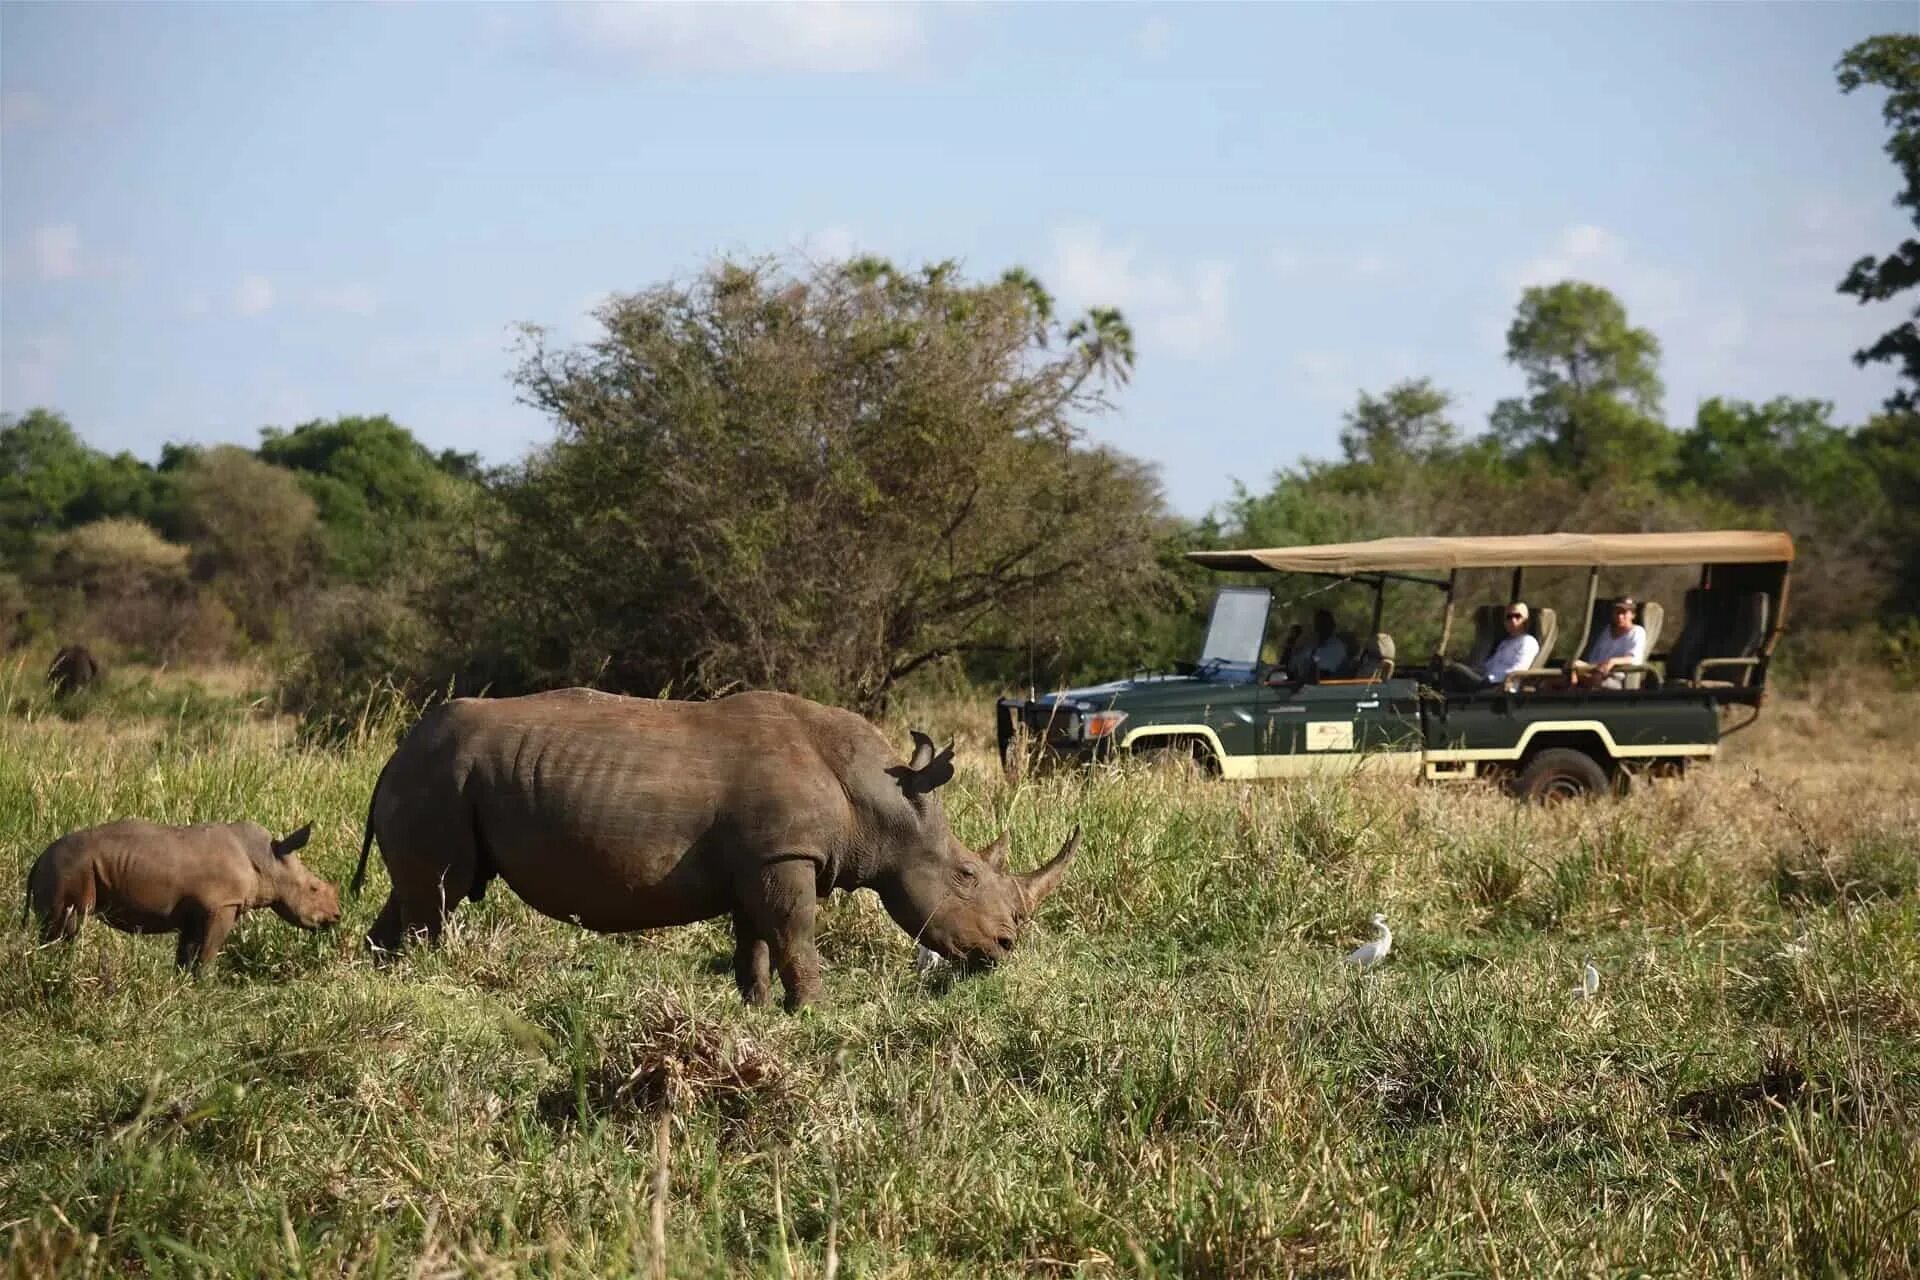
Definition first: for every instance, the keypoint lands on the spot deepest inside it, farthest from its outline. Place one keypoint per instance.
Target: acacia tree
(816, 482)
(1594, 383)
(1407, 423)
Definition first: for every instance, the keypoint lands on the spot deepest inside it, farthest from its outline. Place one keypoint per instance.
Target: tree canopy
(815, 481)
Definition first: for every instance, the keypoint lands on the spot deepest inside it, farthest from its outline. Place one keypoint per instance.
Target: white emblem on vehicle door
(1329, 735)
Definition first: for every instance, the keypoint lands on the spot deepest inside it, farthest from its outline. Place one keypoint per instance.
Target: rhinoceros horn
(1038, 884)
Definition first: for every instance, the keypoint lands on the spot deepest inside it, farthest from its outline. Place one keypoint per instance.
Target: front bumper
(1031, 730)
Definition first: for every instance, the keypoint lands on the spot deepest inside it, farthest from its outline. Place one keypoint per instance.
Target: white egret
(1589, 981)
(1373, 952)
(927, 960)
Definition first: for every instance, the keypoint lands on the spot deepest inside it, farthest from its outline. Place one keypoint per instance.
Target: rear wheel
(1559, 774)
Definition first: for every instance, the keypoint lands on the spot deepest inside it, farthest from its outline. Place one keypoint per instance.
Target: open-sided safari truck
(1247, 717)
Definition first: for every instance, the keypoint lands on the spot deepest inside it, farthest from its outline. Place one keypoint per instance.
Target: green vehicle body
(1245, 719)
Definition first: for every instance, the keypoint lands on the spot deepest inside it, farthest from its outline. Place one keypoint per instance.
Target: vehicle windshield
(1238, 626)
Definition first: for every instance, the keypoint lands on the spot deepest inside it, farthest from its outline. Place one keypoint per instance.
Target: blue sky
(219, 217)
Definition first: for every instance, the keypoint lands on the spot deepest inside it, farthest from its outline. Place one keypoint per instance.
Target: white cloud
(56, 251)
(1153, 37)
(253, 295)
(20, 108)
(353, 299)
(1185, 312)
(1653, 296)
(826, 35)
(34, 379)
(196, 303)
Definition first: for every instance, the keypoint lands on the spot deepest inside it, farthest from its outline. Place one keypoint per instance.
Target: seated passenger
(1515, 651)
(1319, 655)
(1623, 644)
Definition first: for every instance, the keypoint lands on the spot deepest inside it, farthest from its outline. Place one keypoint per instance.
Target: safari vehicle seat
(1719, 638)
(1376, 659)
(1543, 625)
(1652, 617)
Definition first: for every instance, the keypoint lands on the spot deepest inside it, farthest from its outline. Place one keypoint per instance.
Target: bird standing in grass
(1589, 981)
(1374, 952)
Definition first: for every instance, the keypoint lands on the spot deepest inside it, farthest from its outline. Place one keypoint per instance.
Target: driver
(1322, 653)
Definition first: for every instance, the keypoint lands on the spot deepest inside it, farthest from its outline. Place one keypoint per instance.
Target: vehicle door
(1336, 725)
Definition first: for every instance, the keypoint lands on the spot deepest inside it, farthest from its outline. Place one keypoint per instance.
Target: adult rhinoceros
(632, 813)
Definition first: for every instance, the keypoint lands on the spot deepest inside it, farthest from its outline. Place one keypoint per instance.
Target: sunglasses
(1516, 617)
(1623, 608)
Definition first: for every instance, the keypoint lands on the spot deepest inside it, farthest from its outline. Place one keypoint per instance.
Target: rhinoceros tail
(366, 843)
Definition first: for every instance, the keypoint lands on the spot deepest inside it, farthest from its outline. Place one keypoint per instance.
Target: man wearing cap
(1515, 652)
(1622, 644)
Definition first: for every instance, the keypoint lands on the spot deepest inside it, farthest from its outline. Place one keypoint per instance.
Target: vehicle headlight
(1102, 723)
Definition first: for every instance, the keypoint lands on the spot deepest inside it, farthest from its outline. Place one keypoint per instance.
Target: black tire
(1185, 757)
(1559, 774)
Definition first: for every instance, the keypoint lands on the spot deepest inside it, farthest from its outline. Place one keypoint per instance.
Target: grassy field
(1173, 1077)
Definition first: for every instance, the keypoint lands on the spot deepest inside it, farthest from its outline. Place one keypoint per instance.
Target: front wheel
(1559, 774)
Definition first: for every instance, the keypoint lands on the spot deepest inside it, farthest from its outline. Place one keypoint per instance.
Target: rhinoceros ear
(293, 843)
(926, 770)
(995, 854)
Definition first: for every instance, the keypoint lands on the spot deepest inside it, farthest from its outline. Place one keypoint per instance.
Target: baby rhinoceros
(141, 877)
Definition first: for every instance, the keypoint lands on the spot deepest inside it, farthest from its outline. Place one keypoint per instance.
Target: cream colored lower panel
(1378, 764)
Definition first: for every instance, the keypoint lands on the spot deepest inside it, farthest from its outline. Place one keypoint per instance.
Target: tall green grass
(1173, 1077)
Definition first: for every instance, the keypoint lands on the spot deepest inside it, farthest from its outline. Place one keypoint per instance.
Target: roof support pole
(1446, 618)
(1593, 597)
(1519, 576)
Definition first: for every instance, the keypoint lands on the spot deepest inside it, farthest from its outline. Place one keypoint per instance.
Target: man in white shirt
(1319, 655)
(1622, 644)
(1515, 651)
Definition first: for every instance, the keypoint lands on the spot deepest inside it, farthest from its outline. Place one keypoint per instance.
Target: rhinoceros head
(962, 904)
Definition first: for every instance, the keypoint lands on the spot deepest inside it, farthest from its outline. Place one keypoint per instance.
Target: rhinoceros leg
(431, 852)
(751, 960)
(781, 902)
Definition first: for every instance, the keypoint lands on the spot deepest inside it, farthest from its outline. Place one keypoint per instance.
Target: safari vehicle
(1244, 717)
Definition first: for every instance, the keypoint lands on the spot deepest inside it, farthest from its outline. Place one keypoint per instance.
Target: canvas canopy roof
(1405, 555)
